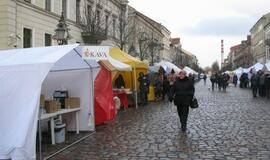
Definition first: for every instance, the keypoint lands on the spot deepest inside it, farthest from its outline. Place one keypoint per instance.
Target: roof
(267, 15)
(175, 41)
(121, 56)
(188, 53)
(235, 48)
(153, 23)
(107, 65)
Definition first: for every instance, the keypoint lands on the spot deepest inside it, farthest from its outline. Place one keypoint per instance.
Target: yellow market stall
(130, 78)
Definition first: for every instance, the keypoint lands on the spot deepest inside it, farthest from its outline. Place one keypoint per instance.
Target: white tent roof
(189, 70)
(119, 65)
(257, 66)
(267, 66)
(22, 72)
(168, 66)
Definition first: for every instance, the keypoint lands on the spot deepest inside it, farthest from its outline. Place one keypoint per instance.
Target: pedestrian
(213, 81)
(158, 86)
(191, 77)
(172, 77)
(204, 79)
(144, 87)
(235, 79)
(182, 93)
(267, 85)
(254, 84)
(166, 87)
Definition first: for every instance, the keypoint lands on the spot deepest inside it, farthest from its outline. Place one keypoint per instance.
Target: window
(114, 27)
(64, 8)
(78, 13)
(29, 1)
(48, 5)
(89, 11)
(106, 24)
(27, 38)
(48, 39)
(98, 17)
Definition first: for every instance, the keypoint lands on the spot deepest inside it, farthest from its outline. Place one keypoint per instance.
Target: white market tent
(267, 66)
(168, 66)
(22, 73)
(189, 70)
(257, 67)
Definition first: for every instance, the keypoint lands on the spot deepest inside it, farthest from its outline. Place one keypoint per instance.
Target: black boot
(183, 128)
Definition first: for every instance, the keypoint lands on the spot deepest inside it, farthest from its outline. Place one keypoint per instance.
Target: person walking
(182, 93)
(235, 79)
(204, 79)
(254, 84)
(213, 81)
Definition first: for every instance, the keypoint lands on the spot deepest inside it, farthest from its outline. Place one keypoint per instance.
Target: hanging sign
(95, 52)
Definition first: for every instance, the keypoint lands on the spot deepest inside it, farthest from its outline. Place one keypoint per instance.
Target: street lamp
(62, 32)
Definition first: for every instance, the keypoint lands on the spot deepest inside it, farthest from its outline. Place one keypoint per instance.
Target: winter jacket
(182, 92)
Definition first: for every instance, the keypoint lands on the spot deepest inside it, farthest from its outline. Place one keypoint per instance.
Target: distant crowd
(161, 81)
(259, 82)
(221, 81)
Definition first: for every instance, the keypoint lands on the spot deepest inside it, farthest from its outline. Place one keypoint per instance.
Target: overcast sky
(201, 24)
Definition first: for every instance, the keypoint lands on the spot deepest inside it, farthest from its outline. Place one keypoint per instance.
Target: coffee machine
(60, 96)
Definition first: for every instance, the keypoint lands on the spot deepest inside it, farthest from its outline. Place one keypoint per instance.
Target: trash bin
(59, 132)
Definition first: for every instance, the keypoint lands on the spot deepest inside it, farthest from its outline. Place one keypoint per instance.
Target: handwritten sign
(95, 52)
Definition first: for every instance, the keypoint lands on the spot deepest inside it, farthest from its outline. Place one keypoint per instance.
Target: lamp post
(62, 32)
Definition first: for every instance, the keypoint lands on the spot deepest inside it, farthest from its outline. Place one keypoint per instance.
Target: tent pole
(91, 112)
(39, 135)
(135, 90)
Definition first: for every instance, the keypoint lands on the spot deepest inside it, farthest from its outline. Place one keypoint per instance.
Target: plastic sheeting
(189, 70)
(104, 103)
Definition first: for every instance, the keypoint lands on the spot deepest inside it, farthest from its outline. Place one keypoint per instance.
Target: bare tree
(125, 27)
(94, 24)
(143, 41)
(154, 48)
(215, 67)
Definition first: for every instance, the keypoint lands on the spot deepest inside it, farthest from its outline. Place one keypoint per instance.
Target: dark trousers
(254, 91)
(143, 96)
(262, 90)
(213, 85)
(267, 91)
(183, 114)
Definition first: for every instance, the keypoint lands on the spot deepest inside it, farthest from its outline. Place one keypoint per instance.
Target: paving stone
(227, 125)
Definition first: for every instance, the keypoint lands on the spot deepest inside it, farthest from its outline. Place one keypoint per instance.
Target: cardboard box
(42, 101)
(72, 102)
(52, 106)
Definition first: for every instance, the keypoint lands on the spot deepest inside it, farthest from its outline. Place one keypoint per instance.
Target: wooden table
(59, 113)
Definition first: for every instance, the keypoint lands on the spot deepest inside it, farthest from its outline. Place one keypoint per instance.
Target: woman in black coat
(182, 92)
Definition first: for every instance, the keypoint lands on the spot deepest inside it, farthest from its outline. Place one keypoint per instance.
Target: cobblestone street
(227, 125)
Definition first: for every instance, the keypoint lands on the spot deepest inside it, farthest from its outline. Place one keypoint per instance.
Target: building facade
(258, 37)
(165, 53)
(31, 23)
(243, 56)
(145, 42)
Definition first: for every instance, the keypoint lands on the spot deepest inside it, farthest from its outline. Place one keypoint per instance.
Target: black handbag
(194, 103)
